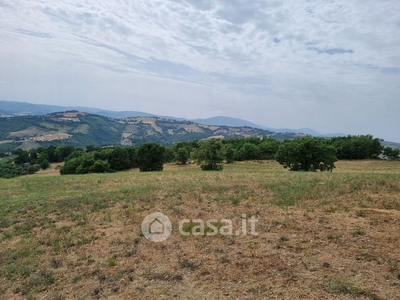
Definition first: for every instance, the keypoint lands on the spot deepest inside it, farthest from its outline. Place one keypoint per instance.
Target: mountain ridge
(16, 108)
(81, 129)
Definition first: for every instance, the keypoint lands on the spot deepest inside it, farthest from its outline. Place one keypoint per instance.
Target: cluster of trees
(357, 147)
(307, 154)
(42, 157)
(391, 153)
(239, 149)
(10, 170)
(147, 157)
(99, 160)
(302, 154)
(24, 162)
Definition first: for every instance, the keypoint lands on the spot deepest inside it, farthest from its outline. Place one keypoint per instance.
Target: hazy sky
(332, 65)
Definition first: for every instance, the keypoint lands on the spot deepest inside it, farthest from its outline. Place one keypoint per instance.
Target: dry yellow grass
(321, 235)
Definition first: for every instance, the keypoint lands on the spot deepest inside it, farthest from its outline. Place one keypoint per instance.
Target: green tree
(268, 148)
(210, 155)
(100, 166)
(119, 159)
(249, 151)
(151, 157)
(22, 157)
(169, 155)
(86, 165)
(307, 154)
(357, 147)
(229, 151)
(132, 153)
(62, 152)
(32, 169)
(33, 156)
(391, 153)
(71, 165)
(44, 164)
(182, 156)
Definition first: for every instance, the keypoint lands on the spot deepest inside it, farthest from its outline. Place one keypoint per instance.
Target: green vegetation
(301, 154)
(357, 147)
(210, 155)
(345, 287)
(151, 157)
(100, 160)
(182, 156)
(307, 154)
(391, 153)
(81, 129)
(62, 233)
(10, 170)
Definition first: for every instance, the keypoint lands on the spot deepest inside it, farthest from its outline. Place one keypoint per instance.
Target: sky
(330, 65)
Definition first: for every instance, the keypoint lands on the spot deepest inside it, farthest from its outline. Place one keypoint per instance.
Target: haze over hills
(14, 108)
(228, 121)
(81, 129)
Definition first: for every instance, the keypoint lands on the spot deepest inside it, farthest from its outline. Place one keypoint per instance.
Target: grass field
(320, 235)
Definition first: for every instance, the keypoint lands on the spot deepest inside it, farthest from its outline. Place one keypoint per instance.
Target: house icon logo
(156, 227)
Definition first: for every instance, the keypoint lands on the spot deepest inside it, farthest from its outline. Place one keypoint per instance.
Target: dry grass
(321, 235)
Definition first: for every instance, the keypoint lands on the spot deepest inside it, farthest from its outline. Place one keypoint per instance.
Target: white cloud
(314, 62)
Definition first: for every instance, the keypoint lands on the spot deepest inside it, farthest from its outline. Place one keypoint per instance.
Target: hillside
(81, 129)
(14, 108)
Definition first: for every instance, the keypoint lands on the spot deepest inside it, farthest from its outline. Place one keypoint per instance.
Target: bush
(357, 147)
(210, 155)
(151, 157)
(306, 154)
(391, 153)
(44, 164)
(229, 153)
(182, 156)
(100, 166)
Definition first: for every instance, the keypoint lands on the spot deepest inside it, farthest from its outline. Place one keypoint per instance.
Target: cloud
(303, 55)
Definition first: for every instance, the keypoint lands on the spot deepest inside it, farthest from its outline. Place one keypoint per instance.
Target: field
(320, 235)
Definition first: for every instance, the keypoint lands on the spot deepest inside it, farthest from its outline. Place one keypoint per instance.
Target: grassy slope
(321, 235)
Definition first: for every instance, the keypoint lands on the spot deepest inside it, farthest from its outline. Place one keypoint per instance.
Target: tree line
(301, 154)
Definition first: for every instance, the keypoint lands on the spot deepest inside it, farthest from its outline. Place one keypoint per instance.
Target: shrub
(306, 154)
(151, 157)
(210, 155)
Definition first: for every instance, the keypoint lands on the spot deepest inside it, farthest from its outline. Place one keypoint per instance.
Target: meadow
(321, 235)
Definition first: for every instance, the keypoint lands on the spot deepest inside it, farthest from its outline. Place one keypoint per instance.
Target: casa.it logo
(156, 227)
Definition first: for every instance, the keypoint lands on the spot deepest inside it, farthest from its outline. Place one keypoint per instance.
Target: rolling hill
(14, 108)
(81, 129)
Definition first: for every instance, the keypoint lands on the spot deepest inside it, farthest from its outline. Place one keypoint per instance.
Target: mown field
(320, 235)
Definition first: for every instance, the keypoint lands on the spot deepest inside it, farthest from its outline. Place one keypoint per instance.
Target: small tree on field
(182, 156)
(44, 164)
(151, 157)
(306, 154)
(229, 153)
(391, 153)
(210, 155)
(169, 155)
(100, 166)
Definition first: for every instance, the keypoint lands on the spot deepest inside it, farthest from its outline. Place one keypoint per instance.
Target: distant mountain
(390, 144)
(81, 129)
(15, 108)
(228, 121)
